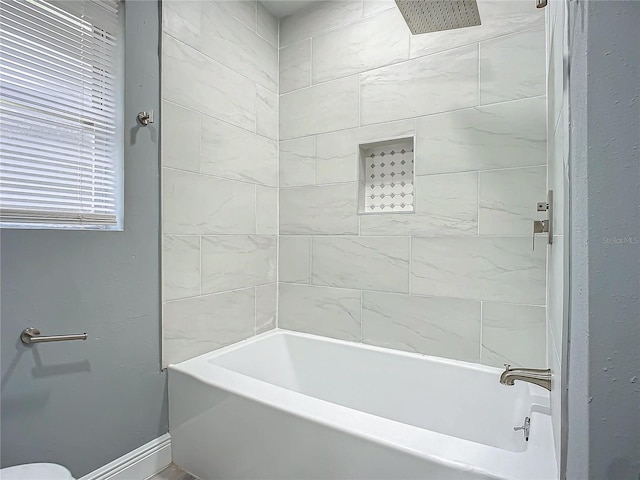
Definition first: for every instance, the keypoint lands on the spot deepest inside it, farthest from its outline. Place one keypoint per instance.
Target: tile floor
(172, 472)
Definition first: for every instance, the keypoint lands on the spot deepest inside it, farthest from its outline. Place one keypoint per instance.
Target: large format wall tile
(180, 137)
(266, 307)
(180, 266)
(232, 152)
(512, 67)
(501, 269)
(192, 79)
(368, 263)
(295, 66)
(444, 205)
(243, 10)
(337, 152)
(371, 7)
(182, 20)
(266, 210)
(297, 162)
(317, 18)
(267, 25)
(499, 17)
(319, 109)
(494, 136)
(513, 334)
(194, 326)
(437, 83)
(294, 259)
(266, 113)
(197, 204)
(237, 261)
(433, 326)
(508, 200)
(333, 312)
(231, 43)
(327, 209)
(370, 43)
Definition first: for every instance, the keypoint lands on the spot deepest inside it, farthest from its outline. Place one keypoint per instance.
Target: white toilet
(36, 471)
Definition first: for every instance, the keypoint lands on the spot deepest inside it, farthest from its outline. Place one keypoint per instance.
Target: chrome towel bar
(32, 335)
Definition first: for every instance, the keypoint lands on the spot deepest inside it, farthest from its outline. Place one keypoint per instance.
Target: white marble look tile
(198, 204)
(194, 326)
(180, 266)
(267, 25)
(368, 263)
(297, 162)
(317, 18)
(266, 307)
(332, 312)
(266, 112)
(558, 176)
(326, 209)
(295, 66)
(437, 83)
(197, 82)
(337, 152)
(180, 137)
(294, 259)
(513, 334)
(266, 210)
(556, 280)
(182, 20)
(432, 326)
(232, 152)
(502, 269)
(499, 17)
(508, 200)
(371, 7)
(373, 42)
(444, 205)
(505, 135)
(319, 109)
(238, 47)
(512, 67)
(243, 10)
(237, 261)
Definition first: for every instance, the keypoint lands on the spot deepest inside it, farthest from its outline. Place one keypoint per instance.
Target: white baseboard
(138, 464)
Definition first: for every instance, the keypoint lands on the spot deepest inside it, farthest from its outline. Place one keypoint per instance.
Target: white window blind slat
(60, 113)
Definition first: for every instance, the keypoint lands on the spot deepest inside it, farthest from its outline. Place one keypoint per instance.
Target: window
(61, 92)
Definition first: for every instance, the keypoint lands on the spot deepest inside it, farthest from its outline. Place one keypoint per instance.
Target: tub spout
(537, 376)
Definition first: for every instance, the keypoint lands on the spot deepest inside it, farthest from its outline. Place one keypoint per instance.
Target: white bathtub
(286, 405)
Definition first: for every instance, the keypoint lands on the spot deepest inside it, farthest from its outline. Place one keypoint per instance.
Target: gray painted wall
(83, 404)
(604, 368)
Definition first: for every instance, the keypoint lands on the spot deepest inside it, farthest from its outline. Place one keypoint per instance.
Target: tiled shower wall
(458, 278)
(558, 181)
(220, 174)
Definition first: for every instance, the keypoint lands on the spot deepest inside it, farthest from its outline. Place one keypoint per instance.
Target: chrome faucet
(537, 376)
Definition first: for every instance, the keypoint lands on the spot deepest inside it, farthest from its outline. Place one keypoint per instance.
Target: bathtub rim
(426, 444)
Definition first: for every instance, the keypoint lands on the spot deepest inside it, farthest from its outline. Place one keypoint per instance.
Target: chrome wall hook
(145, 118)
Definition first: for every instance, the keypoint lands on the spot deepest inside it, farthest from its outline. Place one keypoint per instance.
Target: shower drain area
(386, 176)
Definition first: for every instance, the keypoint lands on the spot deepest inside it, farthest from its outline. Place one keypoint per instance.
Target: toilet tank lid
(36, 471)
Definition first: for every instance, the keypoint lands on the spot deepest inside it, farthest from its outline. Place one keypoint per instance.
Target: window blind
(60, 98)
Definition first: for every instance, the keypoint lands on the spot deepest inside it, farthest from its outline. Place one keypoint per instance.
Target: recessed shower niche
(386, 176)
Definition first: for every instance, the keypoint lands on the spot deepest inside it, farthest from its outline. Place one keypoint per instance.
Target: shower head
(425, 16)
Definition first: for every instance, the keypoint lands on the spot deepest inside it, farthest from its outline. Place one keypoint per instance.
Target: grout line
(478, 202)
(417, 118)
(361, 316)
(405, 294)
(479, 78)
(200, 257)
(410, 263)
(481, 330)
(255, 311)
(310, 243)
